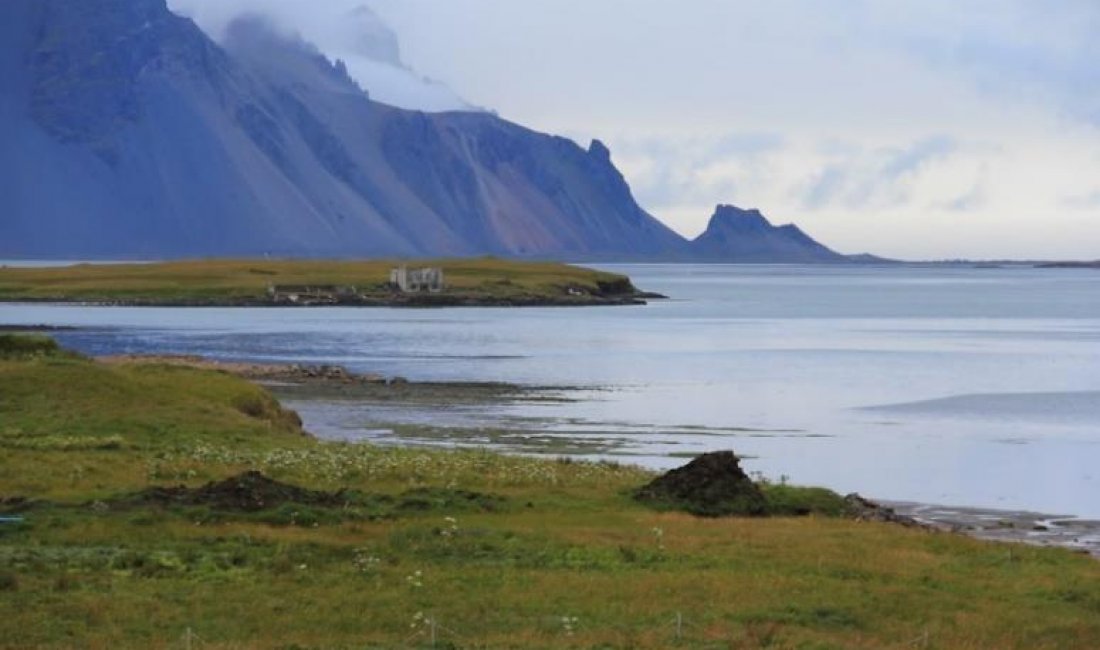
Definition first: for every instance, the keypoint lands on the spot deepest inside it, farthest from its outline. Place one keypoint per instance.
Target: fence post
(679, 626)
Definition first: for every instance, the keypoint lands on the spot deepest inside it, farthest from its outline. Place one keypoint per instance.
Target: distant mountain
(736, 235)
(128, 133)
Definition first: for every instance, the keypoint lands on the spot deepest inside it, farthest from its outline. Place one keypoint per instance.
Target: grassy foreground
(246, 282)
(546, 554)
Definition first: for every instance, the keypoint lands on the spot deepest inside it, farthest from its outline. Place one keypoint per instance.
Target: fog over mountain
(130, 133)
(915, 129)
(347, 30)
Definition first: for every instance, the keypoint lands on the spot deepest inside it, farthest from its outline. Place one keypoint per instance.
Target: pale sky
(922, 129)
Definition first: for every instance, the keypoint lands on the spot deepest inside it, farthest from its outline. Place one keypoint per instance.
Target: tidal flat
(342, 406)
(451, 415)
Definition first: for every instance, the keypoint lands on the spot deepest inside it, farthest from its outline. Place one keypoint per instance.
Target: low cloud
(666, 171)
(347, 30)
(1042, 53)
(1086, 201)
(972, 200)
(877, 178)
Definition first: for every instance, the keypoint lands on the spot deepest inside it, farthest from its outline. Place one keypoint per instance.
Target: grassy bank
(486, 550)
(485, 281)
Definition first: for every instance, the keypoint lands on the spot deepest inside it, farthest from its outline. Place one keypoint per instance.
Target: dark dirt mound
(712, 485)
(248, 492)
(282, 503)
(13, 505)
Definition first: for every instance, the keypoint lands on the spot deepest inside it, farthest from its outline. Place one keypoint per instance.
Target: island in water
(264, 283)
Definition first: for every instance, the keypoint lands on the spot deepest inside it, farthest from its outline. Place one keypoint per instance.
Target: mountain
(736, 235)
(128, 133)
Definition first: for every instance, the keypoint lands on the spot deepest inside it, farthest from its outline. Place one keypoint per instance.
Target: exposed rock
(712, 485)
(862, 509)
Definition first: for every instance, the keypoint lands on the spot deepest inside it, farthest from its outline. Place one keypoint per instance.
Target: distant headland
(308, 283)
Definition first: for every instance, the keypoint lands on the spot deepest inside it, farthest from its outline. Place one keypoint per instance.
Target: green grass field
(549, 554)
(247, 281)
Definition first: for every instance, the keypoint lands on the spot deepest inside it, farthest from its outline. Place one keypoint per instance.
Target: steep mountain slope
(736, 235)
(128, 133)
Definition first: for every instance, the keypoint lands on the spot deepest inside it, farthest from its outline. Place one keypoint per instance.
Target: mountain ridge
(134, 135)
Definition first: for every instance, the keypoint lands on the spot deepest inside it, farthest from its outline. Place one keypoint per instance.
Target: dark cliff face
(88, 62)
(129, 133)
(736, 235)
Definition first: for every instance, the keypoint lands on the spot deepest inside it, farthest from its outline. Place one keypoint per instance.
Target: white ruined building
(417, 280)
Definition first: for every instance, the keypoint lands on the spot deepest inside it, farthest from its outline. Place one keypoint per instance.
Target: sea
(951, 385)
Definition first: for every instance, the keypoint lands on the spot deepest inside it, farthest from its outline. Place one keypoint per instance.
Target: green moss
(791, 500)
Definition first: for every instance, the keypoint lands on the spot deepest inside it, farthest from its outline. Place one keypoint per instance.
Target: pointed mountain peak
(598, 149)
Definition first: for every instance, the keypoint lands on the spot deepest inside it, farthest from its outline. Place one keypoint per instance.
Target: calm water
(958, 386)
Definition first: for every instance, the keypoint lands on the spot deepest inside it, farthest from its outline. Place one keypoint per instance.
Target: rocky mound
(712, 485)
(247, 492)
(862, 509)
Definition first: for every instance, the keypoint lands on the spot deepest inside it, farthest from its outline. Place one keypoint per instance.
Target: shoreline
(1006, 526)
(303, 382)
(193, 498)
(411, 301)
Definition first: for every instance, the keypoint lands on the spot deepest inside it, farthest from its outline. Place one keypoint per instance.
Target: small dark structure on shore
(712, 485)
(289, 294)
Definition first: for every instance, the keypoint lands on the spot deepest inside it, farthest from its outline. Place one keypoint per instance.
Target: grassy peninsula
(366, 547)
(474, 282)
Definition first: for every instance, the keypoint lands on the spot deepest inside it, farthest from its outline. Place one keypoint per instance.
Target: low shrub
(23, 346)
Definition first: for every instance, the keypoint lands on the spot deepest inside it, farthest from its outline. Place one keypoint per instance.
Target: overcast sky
(921, 129)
